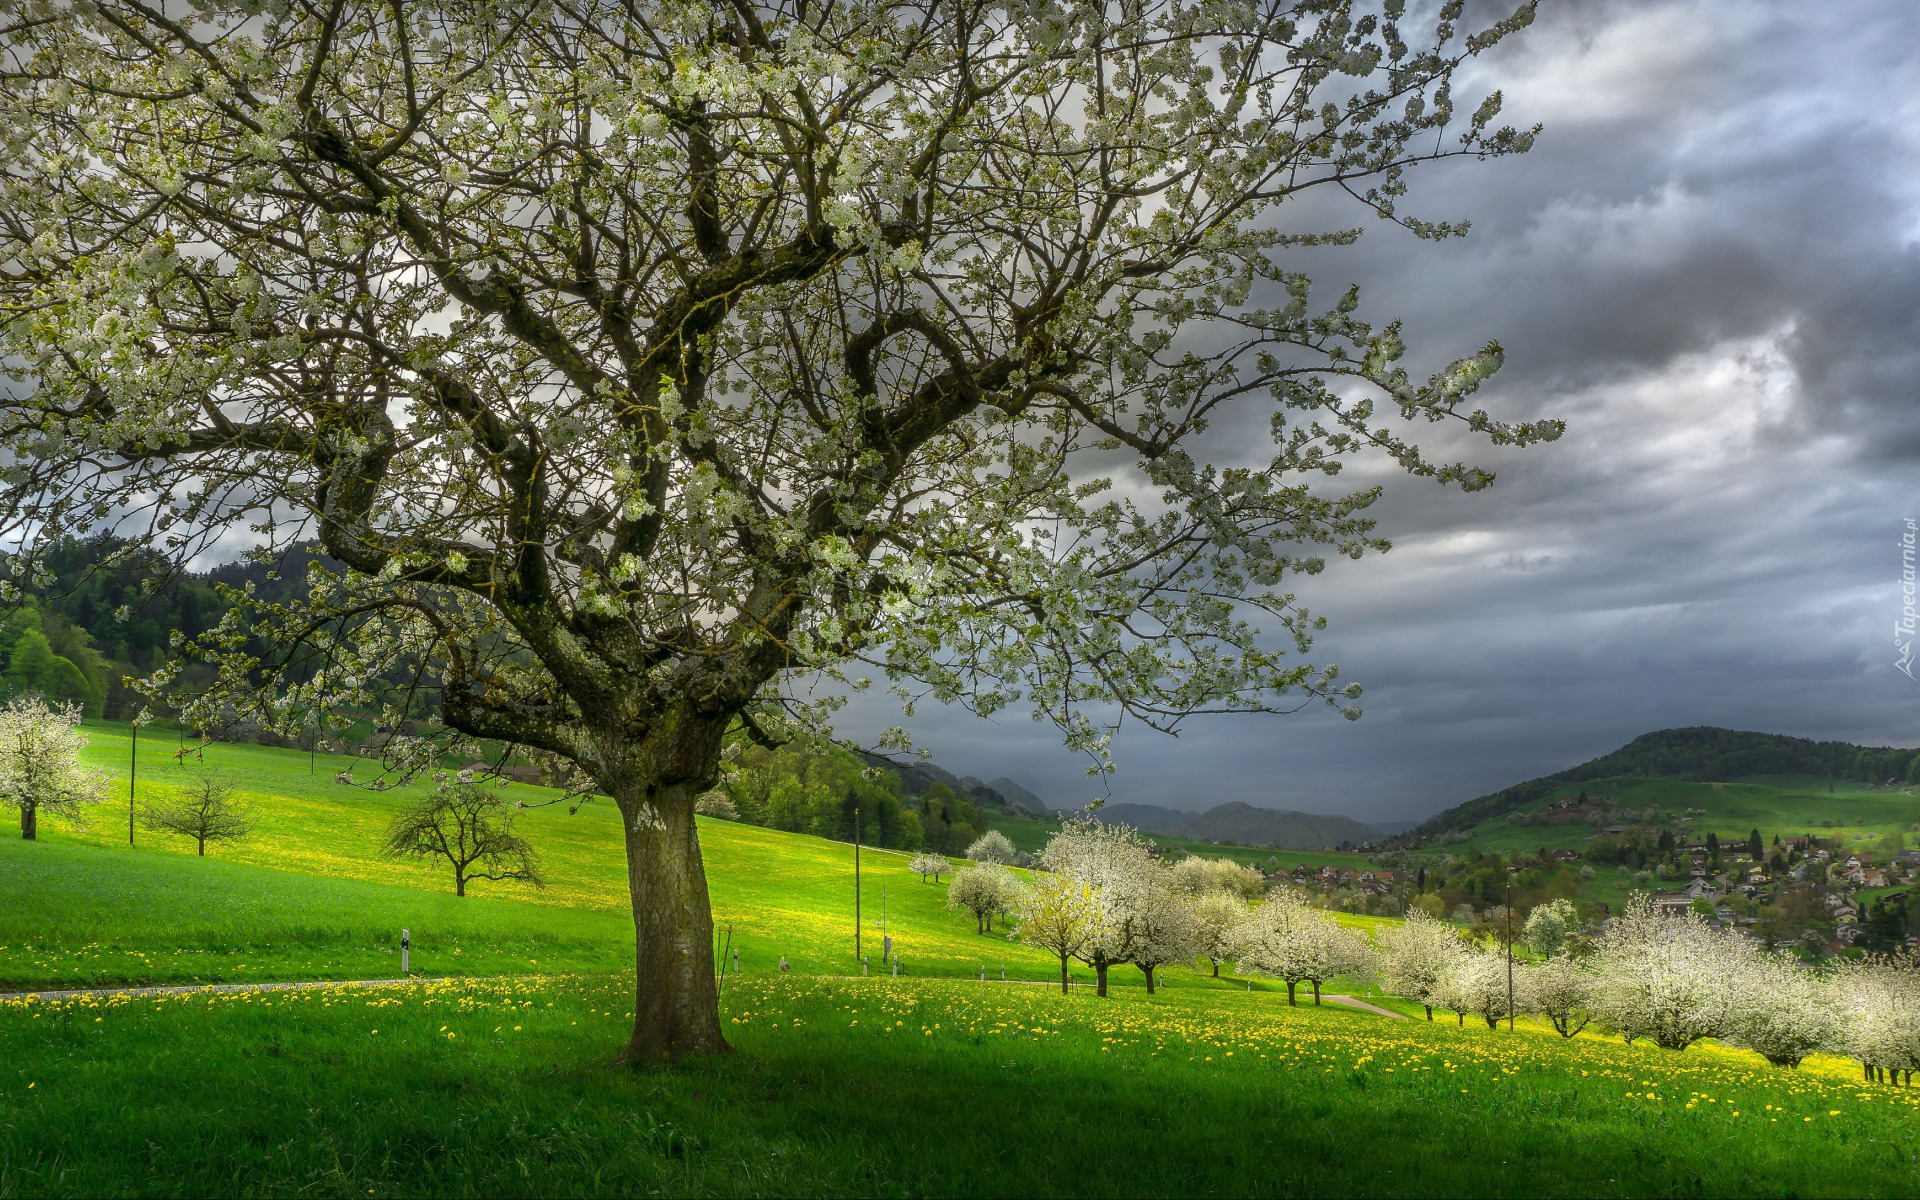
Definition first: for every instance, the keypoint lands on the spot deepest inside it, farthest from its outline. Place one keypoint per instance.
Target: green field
(496, 1079)
(884, 1087)
(309, 897)
(1732, 810)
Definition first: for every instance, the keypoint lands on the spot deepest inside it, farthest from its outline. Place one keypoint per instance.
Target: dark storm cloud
(1710, 267)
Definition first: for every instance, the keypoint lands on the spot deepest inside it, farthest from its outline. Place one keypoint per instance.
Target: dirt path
(72, 993)
(1362, 1005)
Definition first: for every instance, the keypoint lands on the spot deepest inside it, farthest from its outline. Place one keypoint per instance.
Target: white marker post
(403, 952)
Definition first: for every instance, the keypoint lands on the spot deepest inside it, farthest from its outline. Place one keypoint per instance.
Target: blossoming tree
(637, 359)
(40, 769)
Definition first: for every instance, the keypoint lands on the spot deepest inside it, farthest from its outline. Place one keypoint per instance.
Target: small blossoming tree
(40, 769)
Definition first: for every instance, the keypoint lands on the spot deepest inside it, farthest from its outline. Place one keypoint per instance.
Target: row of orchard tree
(1673, 980)
(1101, 896)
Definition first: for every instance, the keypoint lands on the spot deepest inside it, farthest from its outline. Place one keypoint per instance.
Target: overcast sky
(1710, 268)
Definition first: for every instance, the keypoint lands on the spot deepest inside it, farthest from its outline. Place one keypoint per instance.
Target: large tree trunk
(1316, 993)
(1100, 977)
(676, 1008)
(1291, 985)
(1148, 972)
(1063, 974)
(29, 820)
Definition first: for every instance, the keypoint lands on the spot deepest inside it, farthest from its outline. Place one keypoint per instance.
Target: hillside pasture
(1732, 810)
(309, 896)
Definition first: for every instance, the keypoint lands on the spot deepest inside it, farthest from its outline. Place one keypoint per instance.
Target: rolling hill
(1698, 754)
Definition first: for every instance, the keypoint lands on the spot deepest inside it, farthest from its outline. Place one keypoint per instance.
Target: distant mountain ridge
(1233, 823)
(1700, 753)
(1240, 824)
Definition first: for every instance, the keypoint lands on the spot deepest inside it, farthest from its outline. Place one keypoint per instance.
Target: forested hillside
(1698, 753)
(109, 612)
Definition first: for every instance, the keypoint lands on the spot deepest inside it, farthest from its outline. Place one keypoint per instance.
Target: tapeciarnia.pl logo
(1903, 628)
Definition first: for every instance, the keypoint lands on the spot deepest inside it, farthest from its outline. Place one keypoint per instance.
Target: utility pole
(856, 883)
(1509, 950)
(133, 775)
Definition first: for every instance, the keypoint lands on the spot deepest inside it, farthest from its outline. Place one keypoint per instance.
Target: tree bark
(1316, 993)
(1291, 1002)
(1429, 1009)
(203, 847)
(676, 1006)
(1148, 972)
(1216, 967)
(29, 821)
(1063, 974)
(459, 882)
(1100, 975)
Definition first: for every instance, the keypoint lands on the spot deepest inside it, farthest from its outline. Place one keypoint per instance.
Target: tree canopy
(637, 361)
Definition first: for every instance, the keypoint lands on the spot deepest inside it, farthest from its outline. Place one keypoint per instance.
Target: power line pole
(133, 776)
(856, 883)
(1509, 951)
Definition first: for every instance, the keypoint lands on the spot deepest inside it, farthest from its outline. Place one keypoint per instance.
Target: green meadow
(1730, 811)
(308, 895)
(488, 1073)
(500, 1087)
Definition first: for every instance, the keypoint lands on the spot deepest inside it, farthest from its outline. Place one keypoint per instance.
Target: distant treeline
(1700, 753)
(816, 790)
(79, 637)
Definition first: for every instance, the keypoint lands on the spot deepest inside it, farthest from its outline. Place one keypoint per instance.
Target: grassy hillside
(1731, 811)
(1698, 754)
(308, 895)
(863, 1087)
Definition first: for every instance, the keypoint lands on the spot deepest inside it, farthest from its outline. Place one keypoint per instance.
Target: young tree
(924, 865)
(40, 769)
(1288, 940)
(1548, 926)
(1167, 929)
(1479, 984)
(1670, 979)
(1783, 1012)
(471, 828)
(205, 808)
(993, 847)
(1118, 867)
(1879, 1001)
(1057, 914)
(1197, 876)
(987, 891)
(640, 359)
(1417, 957)
(1561, 990)
(1217, 917)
